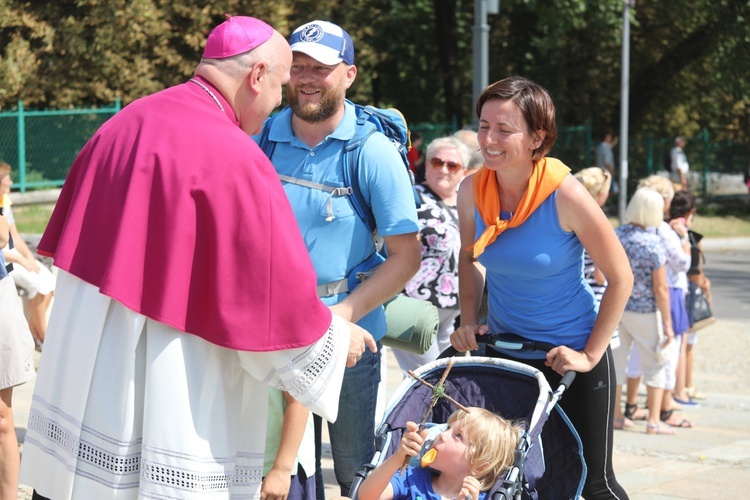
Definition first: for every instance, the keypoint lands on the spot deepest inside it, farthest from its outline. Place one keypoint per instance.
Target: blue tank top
(535, 281)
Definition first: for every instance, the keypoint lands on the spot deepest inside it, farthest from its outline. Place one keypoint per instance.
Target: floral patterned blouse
(437, 278)
(646, 253)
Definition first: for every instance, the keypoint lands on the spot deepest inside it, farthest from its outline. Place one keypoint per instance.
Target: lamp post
(624, 106)
(481, 37)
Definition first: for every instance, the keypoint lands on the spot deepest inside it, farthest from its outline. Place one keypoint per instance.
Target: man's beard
(326, 107)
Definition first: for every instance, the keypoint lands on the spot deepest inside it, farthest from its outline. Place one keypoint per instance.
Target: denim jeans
(353, 433)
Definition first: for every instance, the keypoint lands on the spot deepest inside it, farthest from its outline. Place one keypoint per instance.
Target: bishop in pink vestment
(184, 290)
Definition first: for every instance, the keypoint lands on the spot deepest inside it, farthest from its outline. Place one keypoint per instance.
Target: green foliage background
(690, 63)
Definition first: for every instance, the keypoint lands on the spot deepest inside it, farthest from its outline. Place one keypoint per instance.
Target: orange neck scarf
(547, 175)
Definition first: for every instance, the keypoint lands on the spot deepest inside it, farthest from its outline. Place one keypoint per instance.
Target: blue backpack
(389, 122)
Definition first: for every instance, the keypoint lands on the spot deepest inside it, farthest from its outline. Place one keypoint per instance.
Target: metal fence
(431, 132)
(709, 161)
(43, 144)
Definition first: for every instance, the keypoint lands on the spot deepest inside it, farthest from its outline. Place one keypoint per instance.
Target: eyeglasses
(438, 163)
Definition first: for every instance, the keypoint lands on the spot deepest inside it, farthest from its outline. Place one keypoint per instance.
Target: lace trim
(301, 384)
(184, 480)
(111, 467)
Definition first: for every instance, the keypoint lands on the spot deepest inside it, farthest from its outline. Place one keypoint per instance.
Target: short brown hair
(535, 104)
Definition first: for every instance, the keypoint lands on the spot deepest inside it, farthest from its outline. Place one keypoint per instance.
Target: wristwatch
(2, 209)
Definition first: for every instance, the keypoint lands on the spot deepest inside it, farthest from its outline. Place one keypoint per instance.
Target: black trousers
(589, 404)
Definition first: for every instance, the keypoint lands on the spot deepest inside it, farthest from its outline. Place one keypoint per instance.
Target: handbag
(412, 324)
(702, 315)
(697, 259)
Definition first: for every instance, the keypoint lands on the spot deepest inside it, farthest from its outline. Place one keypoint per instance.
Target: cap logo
(323, 41)
(312, 33)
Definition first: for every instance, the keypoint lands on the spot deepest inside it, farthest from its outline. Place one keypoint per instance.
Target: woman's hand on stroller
(464, 338)
(470, 489)
(563, 359)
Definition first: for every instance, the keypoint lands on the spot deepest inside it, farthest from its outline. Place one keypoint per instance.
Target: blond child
(469, 458)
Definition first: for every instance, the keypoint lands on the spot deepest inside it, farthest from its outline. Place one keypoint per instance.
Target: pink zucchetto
(236, 35)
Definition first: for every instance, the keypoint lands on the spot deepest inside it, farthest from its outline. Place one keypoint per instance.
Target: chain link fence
(41, 145)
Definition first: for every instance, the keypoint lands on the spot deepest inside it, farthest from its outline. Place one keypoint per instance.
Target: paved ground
(710, 461)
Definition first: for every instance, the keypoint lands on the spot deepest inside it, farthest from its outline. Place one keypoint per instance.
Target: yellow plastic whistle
(429, 457)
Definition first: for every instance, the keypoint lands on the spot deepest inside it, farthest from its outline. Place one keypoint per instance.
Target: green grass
(32, 218)
(712, 222)
(721, 226)
(726, 219)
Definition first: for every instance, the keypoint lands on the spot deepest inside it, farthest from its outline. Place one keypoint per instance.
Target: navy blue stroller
(549, 458)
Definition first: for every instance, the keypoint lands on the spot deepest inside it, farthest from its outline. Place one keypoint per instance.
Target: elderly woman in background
(674, 238)
(28, 272)
(16, 367)
(646, 322)
(446, 160)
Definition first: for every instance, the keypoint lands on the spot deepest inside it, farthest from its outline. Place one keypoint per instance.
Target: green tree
(689, 58)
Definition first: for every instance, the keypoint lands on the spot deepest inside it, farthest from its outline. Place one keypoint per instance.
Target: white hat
(323, 41)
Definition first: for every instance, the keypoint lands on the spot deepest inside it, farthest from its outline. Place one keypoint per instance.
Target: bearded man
(308, 140)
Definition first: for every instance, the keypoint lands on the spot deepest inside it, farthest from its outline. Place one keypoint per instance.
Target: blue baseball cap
(323, 41)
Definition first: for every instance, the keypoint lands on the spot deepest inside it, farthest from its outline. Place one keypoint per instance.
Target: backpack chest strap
(333, 288)
(335, 191)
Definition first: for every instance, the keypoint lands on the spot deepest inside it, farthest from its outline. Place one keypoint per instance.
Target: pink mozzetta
(173, 210)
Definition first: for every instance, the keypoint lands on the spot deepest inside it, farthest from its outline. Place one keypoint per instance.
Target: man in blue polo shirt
(309, 137)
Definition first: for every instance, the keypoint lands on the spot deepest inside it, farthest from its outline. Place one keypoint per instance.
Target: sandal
(660, 429)
(694, 393)
(631, 412)
(688, 402)
(664, 416)
(623, 423)
(684, 424)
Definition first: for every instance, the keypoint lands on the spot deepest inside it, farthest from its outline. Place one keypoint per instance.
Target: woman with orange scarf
(524, 223)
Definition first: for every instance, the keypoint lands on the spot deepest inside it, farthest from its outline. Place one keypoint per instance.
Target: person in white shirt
(680, 165)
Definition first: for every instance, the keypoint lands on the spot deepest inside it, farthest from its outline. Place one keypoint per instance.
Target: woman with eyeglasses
(446, 159)
(525, 222)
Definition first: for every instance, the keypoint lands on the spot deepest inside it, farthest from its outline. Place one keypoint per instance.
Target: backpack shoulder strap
(264, 143)
(352, 150)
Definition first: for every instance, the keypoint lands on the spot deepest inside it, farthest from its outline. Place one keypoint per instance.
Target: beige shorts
(16, 344)
(646, 333)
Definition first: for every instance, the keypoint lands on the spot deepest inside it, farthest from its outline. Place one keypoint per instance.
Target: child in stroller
(470, 455)
(548, 460)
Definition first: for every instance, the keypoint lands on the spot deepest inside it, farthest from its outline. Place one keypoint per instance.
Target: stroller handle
(513, 342)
